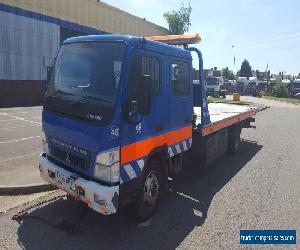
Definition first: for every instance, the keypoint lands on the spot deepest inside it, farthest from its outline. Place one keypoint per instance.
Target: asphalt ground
(20, 144)
(257, 189)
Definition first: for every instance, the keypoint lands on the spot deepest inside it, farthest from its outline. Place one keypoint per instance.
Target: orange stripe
(140, 149)
(217, 126)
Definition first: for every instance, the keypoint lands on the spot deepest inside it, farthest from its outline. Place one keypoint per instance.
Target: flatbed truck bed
(223, 115)
(222, 134)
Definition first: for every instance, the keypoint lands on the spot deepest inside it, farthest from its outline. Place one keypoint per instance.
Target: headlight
(44, 143)
(107, 166)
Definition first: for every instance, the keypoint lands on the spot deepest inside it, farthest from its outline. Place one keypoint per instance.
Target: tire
(234, 137)
(150, 191)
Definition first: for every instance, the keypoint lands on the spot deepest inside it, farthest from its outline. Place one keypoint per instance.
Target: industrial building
(31, 33)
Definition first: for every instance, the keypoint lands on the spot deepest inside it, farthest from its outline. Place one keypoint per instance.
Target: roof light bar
(184, 39)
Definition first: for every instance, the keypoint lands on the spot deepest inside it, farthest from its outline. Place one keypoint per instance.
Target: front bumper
(296, 94)
(100, 198)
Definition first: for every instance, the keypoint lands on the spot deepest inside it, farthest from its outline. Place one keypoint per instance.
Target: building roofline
(129, 14)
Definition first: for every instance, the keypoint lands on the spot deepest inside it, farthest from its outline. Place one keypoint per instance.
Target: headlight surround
(44, 143)
(107, 166)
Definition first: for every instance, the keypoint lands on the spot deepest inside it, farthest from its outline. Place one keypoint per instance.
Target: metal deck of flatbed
(223, 115)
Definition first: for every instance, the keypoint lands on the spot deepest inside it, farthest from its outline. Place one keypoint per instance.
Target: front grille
(70, 159)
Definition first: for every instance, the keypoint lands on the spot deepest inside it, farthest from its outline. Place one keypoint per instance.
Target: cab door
(153, 124)
(181, 100)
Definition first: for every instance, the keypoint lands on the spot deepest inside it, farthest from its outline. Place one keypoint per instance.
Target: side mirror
(144, 97)
(49, 72)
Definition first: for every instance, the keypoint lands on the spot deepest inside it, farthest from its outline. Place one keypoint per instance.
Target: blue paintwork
(171, 112)
(201, 98)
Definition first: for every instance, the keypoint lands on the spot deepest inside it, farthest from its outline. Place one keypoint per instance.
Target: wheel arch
(159, 154)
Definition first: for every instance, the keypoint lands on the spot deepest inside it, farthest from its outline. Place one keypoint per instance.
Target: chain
(63, 225)
(38, 204)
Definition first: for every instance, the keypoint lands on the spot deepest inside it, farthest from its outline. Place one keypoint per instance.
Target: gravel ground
(257, 189)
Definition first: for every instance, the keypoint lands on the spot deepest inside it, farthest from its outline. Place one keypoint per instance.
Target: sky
(265, 32)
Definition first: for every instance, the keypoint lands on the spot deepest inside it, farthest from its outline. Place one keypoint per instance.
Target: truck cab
(296, 88)
(214, 86)
(115, 104)
(241, 85)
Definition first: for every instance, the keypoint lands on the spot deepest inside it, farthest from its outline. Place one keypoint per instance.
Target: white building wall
(27, 47)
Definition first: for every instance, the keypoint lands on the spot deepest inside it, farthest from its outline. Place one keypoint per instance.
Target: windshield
(84, 81)
(89, 70)
(297, 85)
(211, 81)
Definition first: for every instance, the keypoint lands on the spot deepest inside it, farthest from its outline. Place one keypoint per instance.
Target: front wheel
(150, 192)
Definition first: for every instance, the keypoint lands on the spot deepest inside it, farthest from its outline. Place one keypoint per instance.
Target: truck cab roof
(138, 42)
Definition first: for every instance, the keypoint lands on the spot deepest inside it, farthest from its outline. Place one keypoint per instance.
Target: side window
(180, 79)
(143, 65)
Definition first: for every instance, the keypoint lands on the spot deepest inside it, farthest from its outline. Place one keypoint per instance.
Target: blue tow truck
(119, 114)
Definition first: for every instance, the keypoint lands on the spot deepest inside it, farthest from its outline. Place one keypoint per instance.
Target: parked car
(253, 80)
(229, 86)
(214, 87)
(251, 89)
(261, 86)
(286, 81)
(296, 88)
(242, 84)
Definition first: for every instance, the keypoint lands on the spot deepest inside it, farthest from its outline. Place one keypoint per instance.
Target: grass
(288, 100)
(222, 100)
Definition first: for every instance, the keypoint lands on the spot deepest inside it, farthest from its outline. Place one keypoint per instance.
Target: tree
(246, 70)
(228, 74)
(179, 21)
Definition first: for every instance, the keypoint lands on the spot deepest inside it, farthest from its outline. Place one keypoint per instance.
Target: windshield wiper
(60, 92)
(87, 85)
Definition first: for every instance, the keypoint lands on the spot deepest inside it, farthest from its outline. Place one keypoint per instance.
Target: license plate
(64, 179)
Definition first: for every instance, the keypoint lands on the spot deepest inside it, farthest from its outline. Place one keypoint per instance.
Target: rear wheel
(150, 192)
(234, 137)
